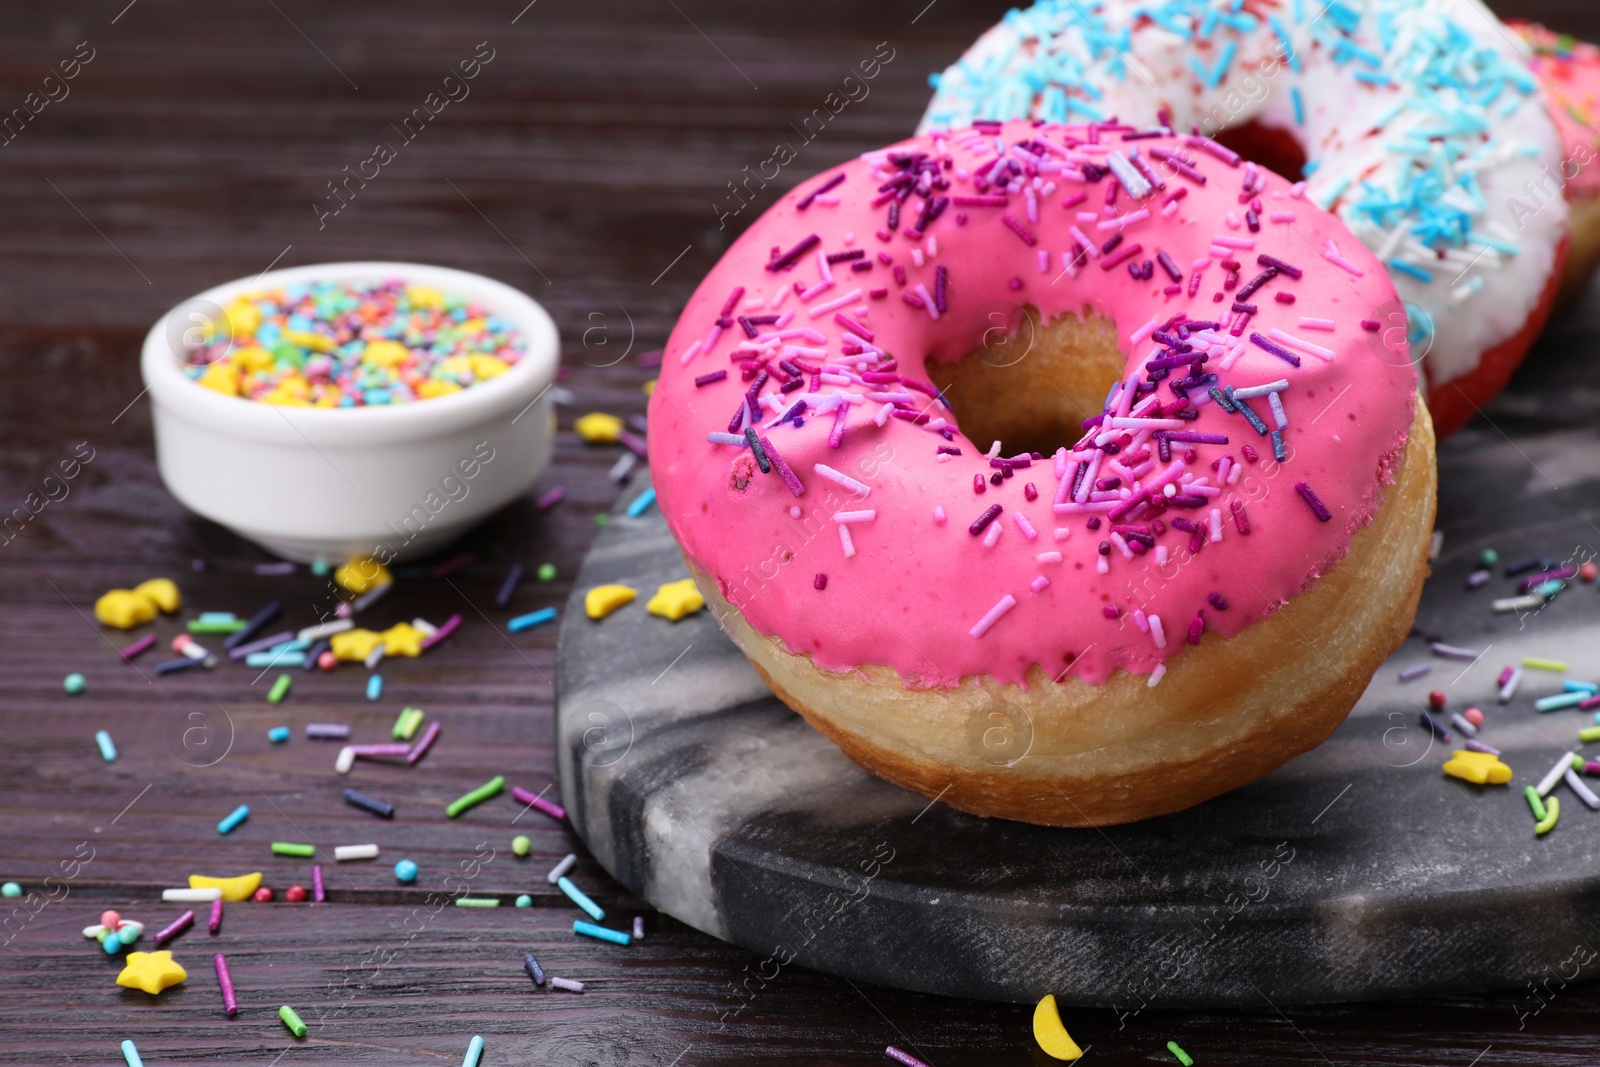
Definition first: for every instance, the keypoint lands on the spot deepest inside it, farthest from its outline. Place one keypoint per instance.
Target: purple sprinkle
(941, 286)
(731, 303)
(1255, 283)
(1317, 506)
(1412, 673)
(1193, 437)
(1111, 611)
(791, 257)
(1371, 325)
(845, 257)
(805, 202)
(551, 497)
(984, 520)
(1274, 262)
(1454, 651)
(1197, 626)
(707, 379)
(1218, 601)
(1276, 349)
(1170, 267)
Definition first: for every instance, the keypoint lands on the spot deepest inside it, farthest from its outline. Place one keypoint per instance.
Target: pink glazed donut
(1204, 518)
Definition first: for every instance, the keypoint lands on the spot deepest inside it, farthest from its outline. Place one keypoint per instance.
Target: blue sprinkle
(375, 687)
(616, 936)
(530, 620)
(1299, 106)
(1406, 268)
(237, 816)
(642, 502)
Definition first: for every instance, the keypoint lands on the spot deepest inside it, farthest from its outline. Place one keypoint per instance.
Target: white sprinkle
(345, 760)
(1005, 604)
(939, 517)
(571, 985)
(1161, 555)
(1517, 603)
(848, 545)
(694, 349)
(1157, 633)
(355, 852)
(1548, 782)
(1253, 391)
(1122, 545)
(882, 417)
(190, 896)
(835, 304)
(1102, 564)
(1061, 533)
(842, 480)
(1577, 785)
(1047, 557)
(567, 863)
(1275, 402)
(1509, 690)
(1141, 621)
(927, 301)
(1216, 525)
(855, 516)
(1156, 675)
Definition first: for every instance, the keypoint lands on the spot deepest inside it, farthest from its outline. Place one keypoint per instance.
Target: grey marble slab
(1356, 871)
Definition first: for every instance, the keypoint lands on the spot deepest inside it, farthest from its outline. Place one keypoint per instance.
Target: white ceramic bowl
(329, 483)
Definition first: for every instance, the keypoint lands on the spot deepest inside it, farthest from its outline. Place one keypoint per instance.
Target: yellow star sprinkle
(354, 645)
(598, 428)
(676, 599)
(602, 600)
(124, 609)
(150, 971)
(403, 639)
(1484, 768)
(233, 889)
(359, 575)
(1050, 1034)
(162, 592)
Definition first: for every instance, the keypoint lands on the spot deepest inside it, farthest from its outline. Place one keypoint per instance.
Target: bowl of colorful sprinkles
(340, 409)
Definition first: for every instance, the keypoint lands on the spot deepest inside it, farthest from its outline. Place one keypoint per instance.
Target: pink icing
(1569, 71)
(906, 589)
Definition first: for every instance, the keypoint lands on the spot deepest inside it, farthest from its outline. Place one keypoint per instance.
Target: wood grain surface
(590, 165)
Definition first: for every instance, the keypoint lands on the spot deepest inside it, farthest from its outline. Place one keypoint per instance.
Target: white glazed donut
(1425, 132)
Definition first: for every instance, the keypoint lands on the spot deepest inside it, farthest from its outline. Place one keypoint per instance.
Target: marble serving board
(1357, 871)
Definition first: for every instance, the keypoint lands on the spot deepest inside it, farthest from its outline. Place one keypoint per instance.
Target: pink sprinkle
(420, 749)
(1308, 323)
(906, 1059)
(1025, 526)
(550, 498)
(318, 894)
(215, 925)
(1005, 604)
(442, 632)
(230, 1003)
(939, 517)
(141, 645)
(1233, 242)
(1039, 584)
(550, 808)
(1331, 254)
(1282, 216)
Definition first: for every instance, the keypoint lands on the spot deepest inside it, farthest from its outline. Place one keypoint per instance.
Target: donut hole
(1272, 147)
(1031, 386)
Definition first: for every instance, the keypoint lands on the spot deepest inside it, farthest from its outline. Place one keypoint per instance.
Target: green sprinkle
(216, 626)
(293, 848)
(546, 572)
(521, 846)
(477, 902)
(488, 789)
(405, 727)
(1183, 1057)
(601, 519)
(1552, 813)
(279, 689)
(292, 1021)
(1535, 664)
(74, 684)
(524, 901)
(1488, 558)
(1536, 802)
(320, 568)
(1588, 733)
(10, 889)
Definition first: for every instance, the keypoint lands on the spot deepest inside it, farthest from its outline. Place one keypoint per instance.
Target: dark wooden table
(590, 165)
